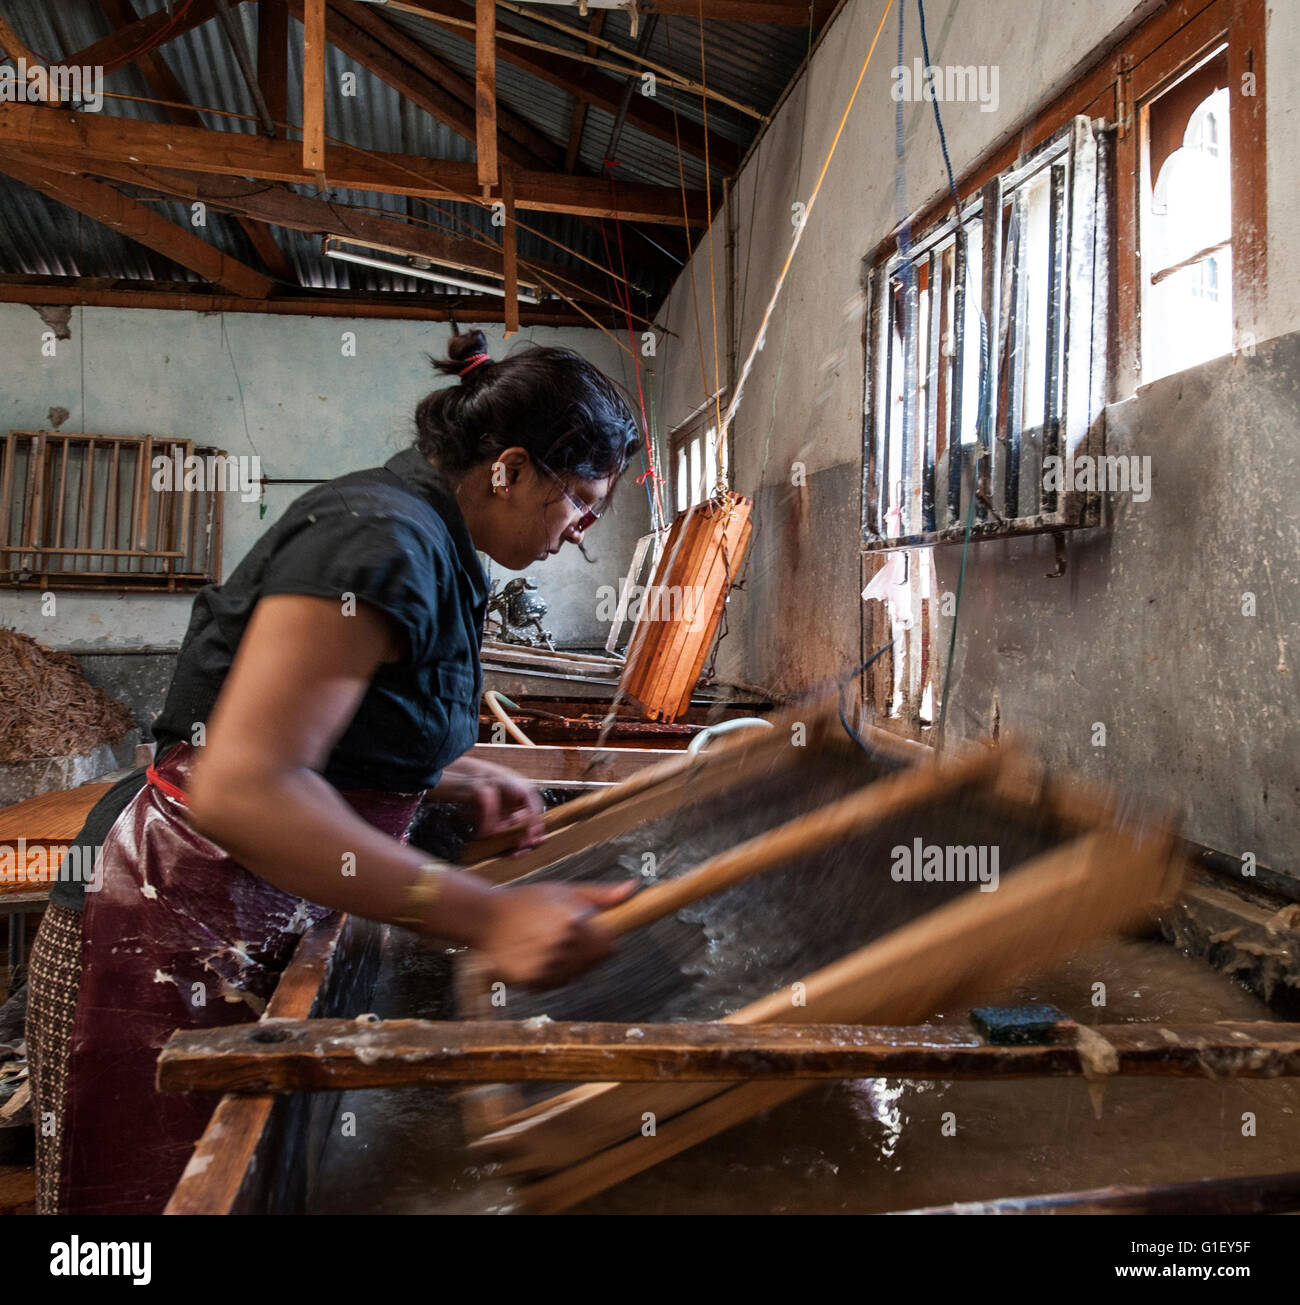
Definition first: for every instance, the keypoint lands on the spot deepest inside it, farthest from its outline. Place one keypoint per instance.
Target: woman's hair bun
(460, 349)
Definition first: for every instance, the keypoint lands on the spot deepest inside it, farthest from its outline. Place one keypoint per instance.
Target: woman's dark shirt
(391, 537)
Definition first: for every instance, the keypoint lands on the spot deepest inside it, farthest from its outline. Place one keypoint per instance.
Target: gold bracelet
(417, 897)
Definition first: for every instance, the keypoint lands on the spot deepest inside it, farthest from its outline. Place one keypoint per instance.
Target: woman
(318, 694)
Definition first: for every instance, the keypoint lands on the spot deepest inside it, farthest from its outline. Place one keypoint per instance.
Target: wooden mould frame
(666, 654)
(1109, 873)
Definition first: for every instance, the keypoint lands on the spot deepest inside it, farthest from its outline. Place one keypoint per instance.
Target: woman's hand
(542, 935)
(497, 800)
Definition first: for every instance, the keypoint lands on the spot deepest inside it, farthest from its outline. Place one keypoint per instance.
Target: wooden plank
(385, 307)
(51, 817)
(786, 13)
(658, 789)
(588, 86)
(280, 206)
(538, 660)
(124, 46)
(313, 88)
(16, 48)
(162, 81)
(292, 1055)
(228, 1171)
(510, 252)
(485, 100)
(548, 764)
(87, 137)
(1056, 902)
(578, 118)
(128, 217)
(527, 651)
(273, 57)
(434, 86)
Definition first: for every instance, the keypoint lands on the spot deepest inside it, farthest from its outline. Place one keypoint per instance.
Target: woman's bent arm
(298, 678)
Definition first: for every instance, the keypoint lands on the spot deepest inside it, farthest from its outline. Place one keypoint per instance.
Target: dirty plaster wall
(1176, 628)
(798, 618)
(276, 386)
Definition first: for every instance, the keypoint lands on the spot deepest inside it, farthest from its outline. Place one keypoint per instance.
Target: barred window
(1032, 278)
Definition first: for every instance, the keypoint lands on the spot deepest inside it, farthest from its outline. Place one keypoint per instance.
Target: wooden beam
(313, 88)
(273, 57)
(509, 252)
(87, 137)
(578, 119)
(16, 48)
(162, 81)
(558, 765)
(166, 86)
(485, 100)
(118, 48)
(95, 292)
(282, 207)
(339, 1054)
(784, 13)
(599, 90)
(113, 209)
(240, 1132)
(426, 81)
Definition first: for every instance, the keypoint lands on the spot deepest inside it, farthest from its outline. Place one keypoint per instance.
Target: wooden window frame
(680, 439)
(1132, 67)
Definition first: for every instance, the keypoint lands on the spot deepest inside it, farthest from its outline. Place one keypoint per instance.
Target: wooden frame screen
(79, 512)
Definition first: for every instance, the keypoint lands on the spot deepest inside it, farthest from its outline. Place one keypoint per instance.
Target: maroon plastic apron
(180, 936)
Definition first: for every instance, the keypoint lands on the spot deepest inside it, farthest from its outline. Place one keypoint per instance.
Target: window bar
(144, 482)
(911, 379)
(936, 301)
(1019, 297)
(992, 301)
(65, 451)
(1077, 369)
(7, 491)
(943, 370)
(958, 402)
(1055, 320)
(33, 497)
(82, 537)
(882, 340)
(111, 505)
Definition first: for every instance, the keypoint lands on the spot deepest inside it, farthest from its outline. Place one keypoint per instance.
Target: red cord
(166, 786)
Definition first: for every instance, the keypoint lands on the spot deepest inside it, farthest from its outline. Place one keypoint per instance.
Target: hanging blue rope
(984, 416)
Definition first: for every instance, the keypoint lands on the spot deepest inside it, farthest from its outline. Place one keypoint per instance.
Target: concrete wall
(276, 386)
(1176, 627)
(799, 617)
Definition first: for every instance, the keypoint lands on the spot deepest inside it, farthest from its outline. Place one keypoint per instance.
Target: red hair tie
(475, 360)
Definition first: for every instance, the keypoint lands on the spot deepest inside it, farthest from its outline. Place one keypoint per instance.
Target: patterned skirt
(54, 976)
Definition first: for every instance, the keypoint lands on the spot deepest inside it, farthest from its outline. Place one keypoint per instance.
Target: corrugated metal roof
(39, 236)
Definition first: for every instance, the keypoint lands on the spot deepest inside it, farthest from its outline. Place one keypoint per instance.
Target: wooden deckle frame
(1105, 874)
(682, 609)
